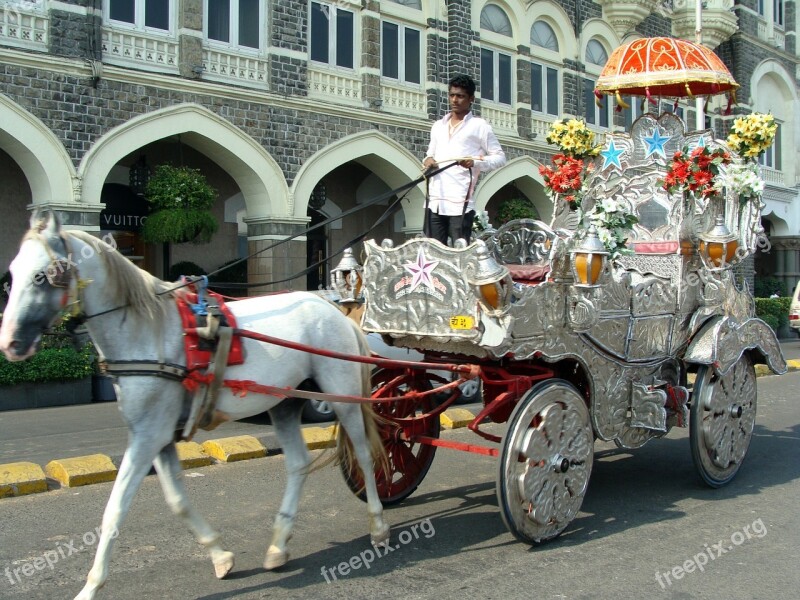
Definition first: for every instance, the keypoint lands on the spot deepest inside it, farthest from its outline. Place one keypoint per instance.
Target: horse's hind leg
(135, 465)
(286, 421)
(351, 418)
(170, 474)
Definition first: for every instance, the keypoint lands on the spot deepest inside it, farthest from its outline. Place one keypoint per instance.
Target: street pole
(700, 122)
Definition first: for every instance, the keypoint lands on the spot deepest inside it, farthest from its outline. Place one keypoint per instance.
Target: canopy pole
(700, 122)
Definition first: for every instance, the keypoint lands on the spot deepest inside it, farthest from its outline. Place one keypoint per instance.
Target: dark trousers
(440, 227)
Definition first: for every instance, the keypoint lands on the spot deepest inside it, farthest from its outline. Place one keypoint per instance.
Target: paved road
(645, 513)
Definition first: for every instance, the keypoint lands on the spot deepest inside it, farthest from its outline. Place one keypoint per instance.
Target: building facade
(300, 110)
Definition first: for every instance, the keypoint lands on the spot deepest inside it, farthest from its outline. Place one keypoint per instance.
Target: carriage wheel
(545, 462)
(408, 461)
(721, 423)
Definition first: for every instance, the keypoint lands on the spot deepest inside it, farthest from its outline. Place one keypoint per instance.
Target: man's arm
(493, 157)
(429, 160)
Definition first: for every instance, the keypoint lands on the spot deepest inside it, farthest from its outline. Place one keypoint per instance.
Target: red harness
(198, 350)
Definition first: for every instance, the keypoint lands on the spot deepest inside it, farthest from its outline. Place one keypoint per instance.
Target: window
(401, 52)
(235, 22)
(761, 8)
(545, 78)
(594, 114)
(637, 106)
(777, 12)
(544, 89)
(332, 35)
(669, 107)
(494, 19)
(495, 76)
(542, 35)
(772, 156)
(410, 3)
(142, 14)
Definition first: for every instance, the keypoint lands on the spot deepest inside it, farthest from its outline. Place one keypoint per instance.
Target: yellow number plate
(462, 322)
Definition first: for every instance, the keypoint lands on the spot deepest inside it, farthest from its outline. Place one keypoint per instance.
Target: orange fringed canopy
(664, 66)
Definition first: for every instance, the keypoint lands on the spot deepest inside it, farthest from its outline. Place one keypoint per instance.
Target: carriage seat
(525, 247)
(660, 247)
(528, 274)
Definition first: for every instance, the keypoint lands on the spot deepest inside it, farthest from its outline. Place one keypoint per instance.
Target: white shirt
(472, 138)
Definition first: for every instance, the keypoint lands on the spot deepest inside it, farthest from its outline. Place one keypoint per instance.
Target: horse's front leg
(286, 421)
(170, 474)
(135, 465)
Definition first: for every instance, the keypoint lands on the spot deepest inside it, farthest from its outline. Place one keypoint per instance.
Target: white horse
(132, 316)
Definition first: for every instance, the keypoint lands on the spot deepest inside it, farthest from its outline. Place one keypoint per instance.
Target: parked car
(794, 309)
(317, 411)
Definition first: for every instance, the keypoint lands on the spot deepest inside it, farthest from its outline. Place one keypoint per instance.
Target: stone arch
(524, 171)
(555, 16)
(256, 173)
(39, 153)
(602, 32)
(780, 228)
(515, 16)
(387, 159)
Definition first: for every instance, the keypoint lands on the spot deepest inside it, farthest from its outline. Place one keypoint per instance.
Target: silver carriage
(665, 338)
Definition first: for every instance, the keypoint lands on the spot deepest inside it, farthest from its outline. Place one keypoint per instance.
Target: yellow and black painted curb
(22, 478)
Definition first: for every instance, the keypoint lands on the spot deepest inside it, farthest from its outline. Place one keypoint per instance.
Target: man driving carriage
(469, 141)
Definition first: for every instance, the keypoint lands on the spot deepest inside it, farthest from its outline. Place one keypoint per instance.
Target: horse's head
(41, 280)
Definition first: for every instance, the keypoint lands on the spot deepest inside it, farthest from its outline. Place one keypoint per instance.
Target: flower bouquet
(613, 222)
(695, 171)
(751, 135)
(571, 165)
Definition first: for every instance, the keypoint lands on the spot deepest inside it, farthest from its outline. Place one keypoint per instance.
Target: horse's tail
(372, 421)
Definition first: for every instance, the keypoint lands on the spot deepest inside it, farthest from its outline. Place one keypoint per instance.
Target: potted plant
(180, 199)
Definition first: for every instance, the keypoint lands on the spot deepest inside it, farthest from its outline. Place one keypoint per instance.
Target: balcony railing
(136, 49)
(227, 66)
(773, 176)
(334, 87)
(23, 28)
(403, 100)
(502, 120)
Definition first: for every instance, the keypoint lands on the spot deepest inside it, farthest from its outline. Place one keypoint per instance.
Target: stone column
(275, 261)
(190, 40)
(371, 56)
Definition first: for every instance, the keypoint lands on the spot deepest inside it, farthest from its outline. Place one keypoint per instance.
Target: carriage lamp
(588, 258)
(718, 245)
(346, 277)
(490, 282)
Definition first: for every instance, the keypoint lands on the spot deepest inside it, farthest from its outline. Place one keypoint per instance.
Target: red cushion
(528, 273)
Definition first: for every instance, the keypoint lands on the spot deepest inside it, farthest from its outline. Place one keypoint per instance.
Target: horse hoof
(380, 537)
(223, 565)
(275, 558)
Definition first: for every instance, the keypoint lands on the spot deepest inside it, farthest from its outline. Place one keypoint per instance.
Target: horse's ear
(46, 221)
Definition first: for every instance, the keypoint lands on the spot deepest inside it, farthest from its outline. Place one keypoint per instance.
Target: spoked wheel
(545, 462)
(721, 423)
(408, 461)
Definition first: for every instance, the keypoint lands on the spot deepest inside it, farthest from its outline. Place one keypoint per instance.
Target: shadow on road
(627, 489)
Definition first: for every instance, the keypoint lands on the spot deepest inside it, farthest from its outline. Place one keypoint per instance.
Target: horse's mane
(143, 293)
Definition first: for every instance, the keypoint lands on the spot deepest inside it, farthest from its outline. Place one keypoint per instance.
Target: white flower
(609, 205)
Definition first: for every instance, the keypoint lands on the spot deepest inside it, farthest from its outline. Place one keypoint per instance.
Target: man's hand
(429, 163)
(467, 164)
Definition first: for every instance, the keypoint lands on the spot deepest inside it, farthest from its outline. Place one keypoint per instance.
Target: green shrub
(766, 286)
(56, 360)
(515, 208)
(773, 311)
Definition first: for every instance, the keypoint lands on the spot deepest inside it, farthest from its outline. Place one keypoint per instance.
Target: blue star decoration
(655, 143)
(611, 155)
(701, 143)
